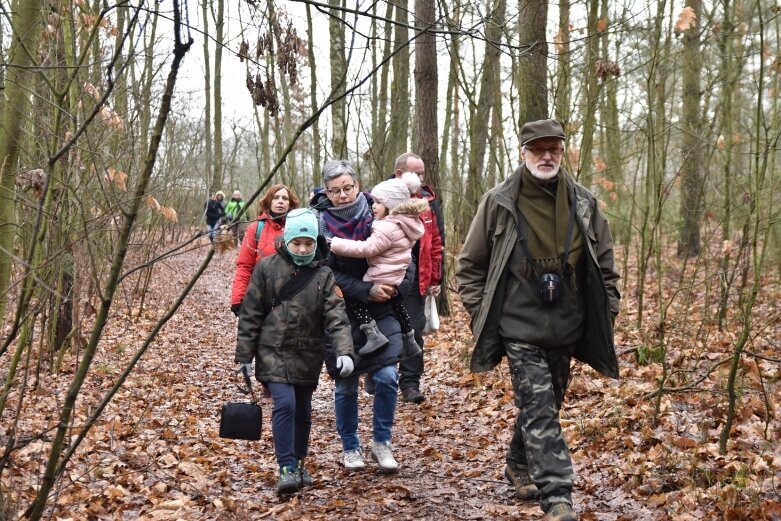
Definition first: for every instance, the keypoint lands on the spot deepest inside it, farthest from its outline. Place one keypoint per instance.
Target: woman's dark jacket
(349, 274)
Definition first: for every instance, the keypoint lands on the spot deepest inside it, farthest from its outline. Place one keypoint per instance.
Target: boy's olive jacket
(286, 340)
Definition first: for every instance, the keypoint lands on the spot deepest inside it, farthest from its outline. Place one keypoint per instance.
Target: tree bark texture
(480, 123)
(338, 79)
(400, 95)
(691, 149)
(15, 114)
(207, 94)
(426, 95)
(533, 61)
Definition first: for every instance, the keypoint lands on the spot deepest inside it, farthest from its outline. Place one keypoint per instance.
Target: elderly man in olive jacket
(537, 277)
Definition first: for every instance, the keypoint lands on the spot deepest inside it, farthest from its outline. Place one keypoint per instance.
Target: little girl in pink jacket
(396, 228)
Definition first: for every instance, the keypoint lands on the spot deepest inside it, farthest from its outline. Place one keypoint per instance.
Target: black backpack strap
(294, 285)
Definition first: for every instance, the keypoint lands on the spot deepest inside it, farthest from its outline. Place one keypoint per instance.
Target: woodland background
(116, 339)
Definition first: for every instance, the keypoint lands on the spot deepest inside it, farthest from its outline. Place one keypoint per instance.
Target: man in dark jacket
(537, 277)
(428, 255)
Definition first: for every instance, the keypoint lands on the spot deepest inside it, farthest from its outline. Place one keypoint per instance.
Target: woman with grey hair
(344, 211)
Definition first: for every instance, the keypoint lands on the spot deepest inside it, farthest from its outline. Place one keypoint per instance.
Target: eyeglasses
(347, 189)
(540, 151)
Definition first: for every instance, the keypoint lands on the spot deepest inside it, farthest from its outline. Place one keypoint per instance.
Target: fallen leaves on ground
(155, 453)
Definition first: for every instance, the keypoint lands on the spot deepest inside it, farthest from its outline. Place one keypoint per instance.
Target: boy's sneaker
(560, 512)
(411, 347)
(381, 453)
(374, 338)
(353, 460)
(525, 488)
(304, 476)
(289, 480)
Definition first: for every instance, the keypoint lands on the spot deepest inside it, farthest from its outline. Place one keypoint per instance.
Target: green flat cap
(540, 129)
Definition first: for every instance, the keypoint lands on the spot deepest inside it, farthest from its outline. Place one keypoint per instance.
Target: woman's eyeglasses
(347, 189)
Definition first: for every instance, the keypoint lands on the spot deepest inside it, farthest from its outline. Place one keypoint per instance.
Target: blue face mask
(302, 260)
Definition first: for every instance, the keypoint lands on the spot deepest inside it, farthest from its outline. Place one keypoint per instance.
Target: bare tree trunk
(317, 147)
(400, 115)
(338, 81)
(380, 141)
(730, 71)
(480, 123)
(691, 149)
(593, 88)
(564, 74)
(532, 82)
(426, 84)
(15, 113)
(450, 94)
(219, 173)
(207, 93)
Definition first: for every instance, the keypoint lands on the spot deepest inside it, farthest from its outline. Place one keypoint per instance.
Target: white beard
(543, 176)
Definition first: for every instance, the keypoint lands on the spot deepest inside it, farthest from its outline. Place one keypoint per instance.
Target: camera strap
(523, 226)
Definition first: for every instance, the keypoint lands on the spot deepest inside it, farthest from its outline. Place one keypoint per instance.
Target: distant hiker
(235, 205)
(283, 335)
(344, 211)
(396, 228)
(537, 276)
(214, 213)
(427, 255)
(260, 237)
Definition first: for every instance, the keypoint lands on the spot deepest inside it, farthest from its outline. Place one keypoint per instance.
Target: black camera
(550, 288)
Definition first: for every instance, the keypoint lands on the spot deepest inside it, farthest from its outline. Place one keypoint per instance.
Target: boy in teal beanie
(291, 301)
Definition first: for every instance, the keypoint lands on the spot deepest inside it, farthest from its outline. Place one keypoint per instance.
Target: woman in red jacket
(274, 205)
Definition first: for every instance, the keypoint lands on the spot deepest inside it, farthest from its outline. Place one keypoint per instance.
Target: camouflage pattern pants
(540, 378)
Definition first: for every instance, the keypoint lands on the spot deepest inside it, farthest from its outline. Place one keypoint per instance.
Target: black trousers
(411, 368)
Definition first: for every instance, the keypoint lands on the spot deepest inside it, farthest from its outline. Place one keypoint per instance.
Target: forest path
(451, 447)
(156, 453)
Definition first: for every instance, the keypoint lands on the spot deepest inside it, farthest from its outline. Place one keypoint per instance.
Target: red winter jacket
(252, 251)
(430, 246)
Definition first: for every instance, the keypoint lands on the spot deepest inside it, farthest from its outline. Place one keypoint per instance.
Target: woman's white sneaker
(381, 453)
(353, 460)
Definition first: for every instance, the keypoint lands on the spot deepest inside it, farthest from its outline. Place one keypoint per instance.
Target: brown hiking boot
(525, 489)
(412, 395)
(560, 512)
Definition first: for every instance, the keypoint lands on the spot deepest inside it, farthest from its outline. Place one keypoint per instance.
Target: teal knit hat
(300, 222)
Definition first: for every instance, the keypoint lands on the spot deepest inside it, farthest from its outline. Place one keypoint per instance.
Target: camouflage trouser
(540, 378)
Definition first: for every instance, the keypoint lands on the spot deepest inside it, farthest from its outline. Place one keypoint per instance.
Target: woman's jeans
(291, 421)
(386, 381)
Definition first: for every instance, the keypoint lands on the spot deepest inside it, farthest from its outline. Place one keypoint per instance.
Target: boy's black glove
(236, 308)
